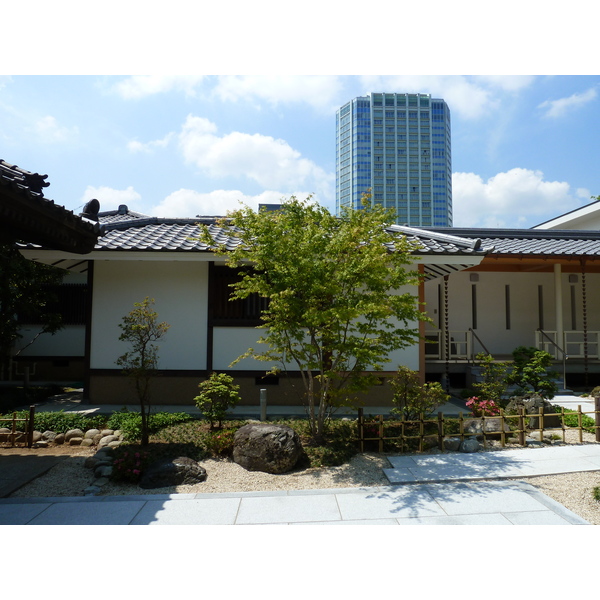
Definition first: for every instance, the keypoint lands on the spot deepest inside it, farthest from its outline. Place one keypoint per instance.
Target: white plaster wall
(491, 308)
(180, 292)
(231, 342)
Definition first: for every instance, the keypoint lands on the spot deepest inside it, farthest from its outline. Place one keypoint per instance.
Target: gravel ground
(70, 478)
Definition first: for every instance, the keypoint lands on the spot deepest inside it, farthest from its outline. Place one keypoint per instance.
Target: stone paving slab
(459, 503)
(501, 464)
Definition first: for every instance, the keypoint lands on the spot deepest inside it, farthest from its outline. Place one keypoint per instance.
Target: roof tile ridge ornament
(473, 244)
(91, 210)
(34, 181)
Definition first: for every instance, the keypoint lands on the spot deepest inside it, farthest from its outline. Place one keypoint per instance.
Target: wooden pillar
(422, 365)
(558, 302)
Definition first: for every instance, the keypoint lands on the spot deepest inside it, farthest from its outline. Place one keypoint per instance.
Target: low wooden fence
(29, 423)
(432, 431)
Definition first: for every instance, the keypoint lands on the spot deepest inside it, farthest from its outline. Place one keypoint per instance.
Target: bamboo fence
(433, 430)
(29, 423)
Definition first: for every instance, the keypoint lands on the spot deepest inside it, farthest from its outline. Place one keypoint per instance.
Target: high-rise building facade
(398, 147)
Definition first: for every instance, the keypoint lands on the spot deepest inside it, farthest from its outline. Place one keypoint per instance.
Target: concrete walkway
(446, 493)
(459, 503)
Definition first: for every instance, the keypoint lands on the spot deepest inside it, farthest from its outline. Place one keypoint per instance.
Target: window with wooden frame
(226, 312)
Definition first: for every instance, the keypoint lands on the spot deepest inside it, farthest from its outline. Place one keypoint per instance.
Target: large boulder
(267, 448)
(533, 405)
(172, 471)
(489, 425)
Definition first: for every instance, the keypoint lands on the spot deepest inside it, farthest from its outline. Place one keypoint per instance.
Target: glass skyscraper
(397, 146)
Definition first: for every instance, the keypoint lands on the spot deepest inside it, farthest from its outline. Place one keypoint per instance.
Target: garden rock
(73, 433)
(103, 471)
(490, 425)
(452, 444)
(60, 438)
(168, 472)
(107, 439)
(266, 448)
(469, 445)
(532, 404)
(49, 436)
(75, 441)
(91, 433)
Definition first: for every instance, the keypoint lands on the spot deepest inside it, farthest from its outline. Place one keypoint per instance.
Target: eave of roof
(25, 215)
(534, 242)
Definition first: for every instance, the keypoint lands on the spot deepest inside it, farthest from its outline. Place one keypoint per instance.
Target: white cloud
(189, 203)
(270, 162)
(509, 83)
(471, 98)
(139, 86)
(511, 199)
(468, 99)
(319, 91)
(48, 130)
(558, 108)
(110, 198)
(134, 146)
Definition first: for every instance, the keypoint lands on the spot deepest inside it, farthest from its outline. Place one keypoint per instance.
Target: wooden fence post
(13, 434)
(30, 426)
(440, 430)
(597, 416)
(521, 426)
(580, 423)
(361, 433)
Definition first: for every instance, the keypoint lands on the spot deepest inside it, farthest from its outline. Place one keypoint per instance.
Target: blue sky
(524, 147)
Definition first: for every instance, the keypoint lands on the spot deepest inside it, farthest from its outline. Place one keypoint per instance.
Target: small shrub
(219, 443)
(338, 446)
(572, 420)
(59, 422)
(596, 493)
(482, 408)
(129, 464)
(217, 394)
(530, 371)
(130, 423)
(410, 398)
(494, 378)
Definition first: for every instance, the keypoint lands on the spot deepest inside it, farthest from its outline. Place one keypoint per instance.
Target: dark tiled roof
(121, 215)
(27, 216)
(159, 234)
(535, 242)
(134, 231)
